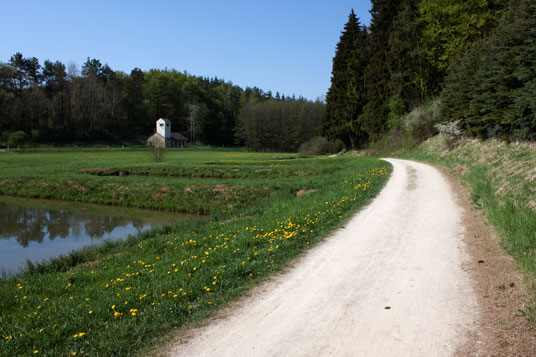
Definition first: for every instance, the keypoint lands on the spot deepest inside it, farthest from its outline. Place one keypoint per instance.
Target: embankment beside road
(501, 179)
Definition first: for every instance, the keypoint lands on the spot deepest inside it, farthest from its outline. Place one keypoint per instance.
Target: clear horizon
(281, 46)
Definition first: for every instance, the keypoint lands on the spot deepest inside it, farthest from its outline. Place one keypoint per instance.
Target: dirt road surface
(392, 282)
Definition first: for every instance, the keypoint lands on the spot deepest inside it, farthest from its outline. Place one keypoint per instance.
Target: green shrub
(420, 123)
(157, 153)
(320, 146)
(18, 138)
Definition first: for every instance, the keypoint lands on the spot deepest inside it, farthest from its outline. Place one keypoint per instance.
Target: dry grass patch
(304, 192)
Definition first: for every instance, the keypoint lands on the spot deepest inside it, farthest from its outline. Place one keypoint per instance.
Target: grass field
(121, 298)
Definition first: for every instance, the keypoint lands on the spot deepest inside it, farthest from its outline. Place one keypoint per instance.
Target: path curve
(404, 251)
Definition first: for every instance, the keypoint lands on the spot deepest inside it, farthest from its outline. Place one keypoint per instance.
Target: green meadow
(253, 213)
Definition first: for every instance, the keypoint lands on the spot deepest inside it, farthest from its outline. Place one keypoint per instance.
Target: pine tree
(408, 67)
(346, 97)
(377, 73)
(355, 98)
(492, 89)
(504, 101)
(459, 89)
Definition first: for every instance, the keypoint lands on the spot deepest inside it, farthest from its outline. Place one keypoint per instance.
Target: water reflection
(28, 224)
(41, 229)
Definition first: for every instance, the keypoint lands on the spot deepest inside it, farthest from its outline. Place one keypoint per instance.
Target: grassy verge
(131, 293)
(502, 181)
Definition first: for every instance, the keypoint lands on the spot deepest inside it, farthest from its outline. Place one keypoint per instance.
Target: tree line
(279, 124)
(476, 55)
(53, 102)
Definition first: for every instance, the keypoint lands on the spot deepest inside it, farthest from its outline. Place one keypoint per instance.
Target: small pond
(41, 229)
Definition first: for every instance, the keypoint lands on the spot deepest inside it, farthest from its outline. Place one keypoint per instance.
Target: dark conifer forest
(477, 56)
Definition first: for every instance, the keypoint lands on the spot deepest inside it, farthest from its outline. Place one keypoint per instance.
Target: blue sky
(284, 46)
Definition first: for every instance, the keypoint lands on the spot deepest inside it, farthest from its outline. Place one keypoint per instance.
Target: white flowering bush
(451, 133)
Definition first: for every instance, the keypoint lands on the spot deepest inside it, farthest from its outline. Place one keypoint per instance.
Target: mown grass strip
(136, 291)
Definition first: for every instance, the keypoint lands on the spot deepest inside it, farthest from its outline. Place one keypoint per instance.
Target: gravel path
(390, 283)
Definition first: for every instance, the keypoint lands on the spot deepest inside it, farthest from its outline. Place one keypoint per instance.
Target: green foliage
(18, 138)
(377, 72)
(35, 134)
(346, 96)
(409, 70)
(422, 121)
(396, 110)
(410, 46)
(450, 27)
(320, 146)
(279, 125)
(406, 131)
(492, 88)
(5, 135)
(158, 153)
(460, 86)
(7, 100)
